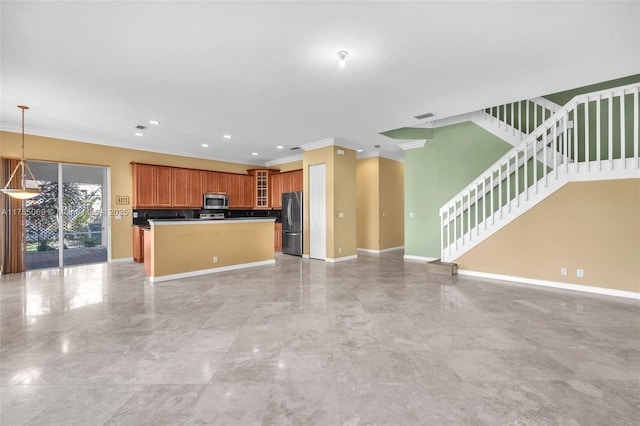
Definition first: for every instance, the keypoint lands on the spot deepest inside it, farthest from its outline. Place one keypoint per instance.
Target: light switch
(340, 215)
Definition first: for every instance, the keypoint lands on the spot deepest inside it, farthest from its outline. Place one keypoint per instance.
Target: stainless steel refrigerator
(292, 223)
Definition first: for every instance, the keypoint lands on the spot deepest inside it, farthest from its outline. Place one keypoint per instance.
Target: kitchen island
(186, 248)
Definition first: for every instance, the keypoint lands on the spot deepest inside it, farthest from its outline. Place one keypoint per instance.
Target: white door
(318, 212)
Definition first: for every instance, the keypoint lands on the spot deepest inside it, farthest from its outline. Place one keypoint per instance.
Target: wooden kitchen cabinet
(296, 180)
(213, 182)
(277, 237)
(180, 188)
(247, 191)
(195, 189)
(276, 191)
(138, 244)
(163, 186)
(262, 187)
(144, 186)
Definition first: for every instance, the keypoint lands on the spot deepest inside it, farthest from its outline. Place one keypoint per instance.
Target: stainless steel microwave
(215, 201)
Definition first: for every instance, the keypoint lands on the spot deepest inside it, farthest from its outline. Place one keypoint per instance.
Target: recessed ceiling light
(205, 145)
(359, 150)
(138, 134)
(227, 136)
(343, 58)
(280, 147)
(254, 153)
(154, 122)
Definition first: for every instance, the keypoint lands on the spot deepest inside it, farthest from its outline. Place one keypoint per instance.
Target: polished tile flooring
(376, 341)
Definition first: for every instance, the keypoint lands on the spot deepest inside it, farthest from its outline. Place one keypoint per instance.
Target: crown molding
(318, 144)
(284, 160)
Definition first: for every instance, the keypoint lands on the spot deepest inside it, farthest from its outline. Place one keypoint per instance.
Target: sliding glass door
(66, 224)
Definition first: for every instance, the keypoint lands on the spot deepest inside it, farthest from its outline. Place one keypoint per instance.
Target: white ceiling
(267, 72)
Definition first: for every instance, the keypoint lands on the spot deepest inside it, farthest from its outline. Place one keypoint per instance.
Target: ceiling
(267, 74)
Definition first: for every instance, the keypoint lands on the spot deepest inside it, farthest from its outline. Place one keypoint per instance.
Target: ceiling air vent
(141, 127)
(423, 116)
(294, 148)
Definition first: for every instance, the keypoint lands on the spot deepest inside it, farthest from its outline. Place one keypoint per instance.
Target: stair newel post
(500, 189)
(545, 173)
(520, 119)
(509, 185)
(575, 139)
(455, 223)
(565, 140)
(526, 173)
(587, 136)
(555, 151)
(623, 148)
(477, 207)
(598, 125)
(516, 167)
(493, 220)
(610, 130)
(442, 246)
(535, 164)
(469, 214)
(636, 114)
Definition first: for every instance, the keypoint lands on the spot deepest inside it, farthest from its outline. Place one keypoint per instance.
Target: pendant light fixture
(22, 193)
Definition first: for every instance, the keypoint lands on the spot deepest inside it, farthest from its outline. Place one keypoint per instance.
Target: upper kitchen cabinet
(215, 182)
(156, 187)
(195, 188)
(144, 186)
(284, 182)
(276, 191)
(240, 190)
(262, 187)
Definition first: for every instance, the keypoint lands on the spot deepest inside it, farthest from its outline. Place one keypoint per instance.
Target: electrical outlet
(340, 215)
(410, 214)
(580, 273)
(339, 250)
(215, 259)
(563, 271)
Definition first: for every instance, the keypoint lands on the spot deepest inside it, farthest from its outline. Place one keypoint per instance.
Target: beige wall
(368, 203)
(380, 203)
(391, 203)
(341, 197)
(593, 226)
(59, 150)
(287, 167)
(345, 202)
(185, 248)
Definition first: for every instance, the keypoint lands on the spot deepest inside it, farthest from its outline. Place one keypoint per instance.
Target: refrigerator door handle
(289, 212)
(292, 233)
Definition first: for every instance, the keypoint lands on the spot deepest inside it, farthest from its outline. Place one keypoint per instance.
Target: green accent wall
(562, 98)
(409, 133)
(455, 156)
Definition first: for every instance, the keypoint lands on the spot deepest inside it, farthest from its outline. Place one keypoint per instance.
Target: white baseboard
(305, 256)
(210, 271)
(553, 284)
(121, 260)
(419, 258)
(341, 259)
(387, 250)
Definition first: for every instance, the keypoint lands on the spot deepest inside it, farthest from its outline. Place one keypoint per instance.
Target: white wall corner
(413, 144)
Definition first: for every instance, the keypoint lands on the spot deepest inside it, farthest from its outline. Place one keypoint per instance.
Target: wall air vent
(423, 116)
(141, 127)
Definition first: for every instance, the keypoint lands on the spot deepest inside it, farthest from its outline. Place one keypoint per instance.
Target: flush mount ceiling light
(22, 193)
(204, 145)
(155, 122)
(139, 134)
(343, 58)
(254, 153)
(227, 136)
(279, 147)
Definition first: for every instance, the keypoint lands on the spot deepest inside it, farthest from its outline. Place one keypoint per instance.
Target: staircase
(592, 137)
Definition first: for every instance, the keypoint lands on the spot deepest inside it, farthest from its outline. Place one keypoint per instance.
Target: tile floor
(373, 341)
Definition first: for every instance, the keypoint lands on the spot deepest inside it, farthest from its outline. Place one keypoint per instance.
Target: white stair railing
(522, 117)
(580, 137)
